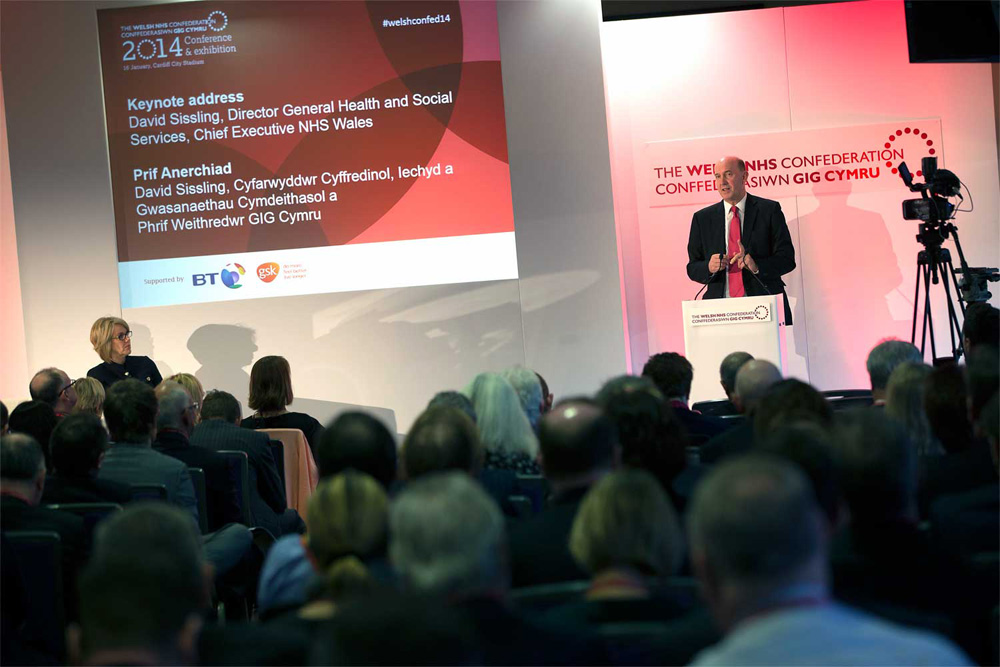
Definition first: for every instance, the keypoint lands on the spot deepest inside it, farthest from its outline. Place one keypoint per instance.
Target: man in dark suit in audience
(22, 481)
(218, 430)
(981, 327)
(144, 593)
(175, 422)
(78, 443)
(446, 539)
(730, 366)
(672, 374)
(130, 409)
(53, 386)
(755, 377)
(578, 445)
(882, 361)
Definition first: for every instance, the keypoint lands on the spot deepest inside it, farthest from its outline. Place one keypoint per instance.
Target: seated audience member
(882, 361)
(354, 440)
(22, 484)
(444, 438)
(36, 419)
(981, 327)
(175, 422)
(504, 428)
(966, 523)
(4, 417)
(904, 402)
(130, 410)
(454, 399)
(547, 397)
(730, 366)
(79, 442)
(982, 377)
(53, 386)
(672, 375)
(219, 430)
(754, 379)
(810, 447)
(758, 545)
(112, 340)
(346, 537)
(145, 591)
(194, 390)
(650, 436)
(882, 558)
(446, 538)
(625, 536)
(529, 390)
(966, 463)
(270, 396)
(787, 401)
(90, 396)
(579, 445)
(357, 440)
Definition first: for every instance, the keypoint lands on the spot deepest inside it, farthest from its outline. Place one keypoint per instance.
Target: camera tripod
(934, 266)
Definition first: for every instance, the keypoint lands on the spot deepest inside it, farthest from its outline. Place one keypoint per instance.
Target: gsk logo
(268, 271)
(229, 276)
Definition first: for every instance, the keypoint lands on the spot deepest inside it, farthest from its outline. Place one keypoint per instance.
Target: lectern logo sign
(762, 313)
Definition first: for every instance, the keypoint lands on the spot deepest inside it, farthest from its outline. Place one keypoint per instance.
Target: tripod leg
(953, 326)
(928, 317)
(916, 299)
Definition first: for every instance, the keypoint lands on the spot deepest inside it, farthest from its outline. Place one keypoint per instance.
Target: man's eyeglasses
(67, 387)
(123, 336)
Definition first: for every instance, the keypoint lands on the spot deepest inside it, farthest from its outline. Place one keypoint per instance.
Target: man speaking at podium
(740, 246)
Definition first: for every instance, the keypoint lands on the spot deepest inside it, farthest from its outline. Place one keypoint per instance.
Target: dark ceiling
(618, 10)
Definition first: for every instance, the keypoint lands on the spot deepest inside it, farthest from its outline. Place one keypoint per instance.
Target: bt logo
(268, 271)
(229, 276)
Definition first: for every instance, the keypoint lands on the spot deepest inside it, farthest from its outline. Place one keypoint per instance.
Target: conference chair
(201, 494)
(522, 506)
(149, 492)
(536, 488)
(37, 557)
(91, 513)
(241, 462)
(301, 473)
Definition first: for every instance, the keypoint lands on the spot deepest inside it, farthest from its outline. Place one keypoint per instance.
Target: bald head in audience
(578, 443)
(53, 386)
(753, 380)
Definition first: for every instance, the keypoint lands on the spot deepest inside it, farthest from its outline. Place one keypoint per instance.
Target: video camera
(933, 206)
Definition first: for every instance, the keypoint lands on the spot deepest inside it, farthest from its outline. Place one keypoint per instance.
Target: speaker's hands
(743, 260)
(717, 262)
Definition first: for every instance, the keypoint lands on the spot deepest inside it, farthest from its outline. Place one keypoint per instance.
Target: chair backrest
(149, 492)
(546, 596)
(278, 454)
(536, 488)
(522, 506)
(38, 556)
(301, 473)
(715, 408)
(91, 513)
(241, 461)
(850, 402)
(201, 495)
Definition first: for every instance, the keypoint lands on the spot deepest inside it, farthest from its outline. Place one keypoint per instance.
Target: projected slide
(263, 149)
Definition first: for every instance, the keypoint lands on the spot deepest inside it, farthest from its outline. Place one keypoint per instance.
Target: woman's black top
(136, 368)
(308, 425)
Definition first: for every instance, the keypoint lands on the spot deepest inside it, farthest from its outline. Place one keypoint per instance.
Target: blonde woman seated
(504, 428)
(346, 536)
(112, 340)
(89, 397)
(626, 537)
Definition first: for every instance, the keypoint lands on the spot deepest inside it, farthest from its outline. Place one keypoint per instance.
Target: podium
(715, 327)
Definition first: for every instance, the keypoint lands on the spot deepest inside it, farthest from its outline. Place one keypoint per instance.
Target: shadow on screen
(142, 344)
(224, 352)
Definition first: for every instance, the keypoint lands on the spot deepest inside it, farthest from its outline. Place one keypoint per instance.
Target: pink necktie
(735, 272)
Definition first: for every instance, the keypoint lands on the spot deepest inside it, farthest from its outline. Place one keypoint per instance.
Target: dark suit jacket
(135, 367)
(700, 428)
(15, 514)
(131, 463)
(765, 237)
(220, 479)
(539, 546)
(267, 492)
(61, 489)
(737, 440)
